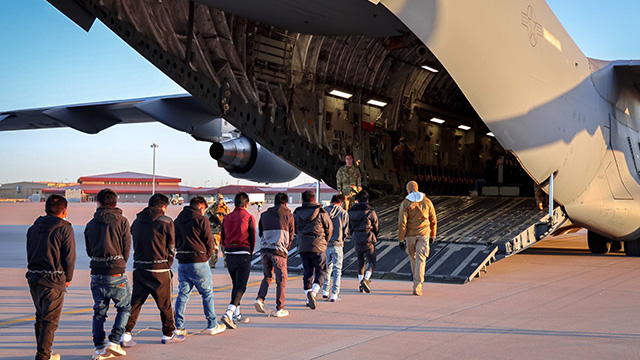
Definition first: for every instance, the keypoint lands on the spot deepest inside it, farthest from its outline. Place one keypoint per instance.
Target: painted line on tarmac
(84, 310)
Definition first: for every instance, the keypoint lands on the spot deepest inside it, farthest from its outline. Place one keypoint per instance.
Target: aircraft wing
(181, 112)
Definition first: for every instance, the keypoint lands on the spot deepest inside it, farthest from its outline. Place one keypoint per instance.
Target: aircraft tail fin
(506, 56)
(523, 74)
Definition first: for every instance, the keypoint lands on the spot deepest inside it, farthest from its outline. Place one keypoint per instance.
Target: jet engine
(243, 158)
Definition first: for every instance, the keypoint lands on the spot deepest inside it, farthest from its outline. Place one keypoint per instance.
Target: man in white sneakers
(335, 254)
(108, 242)
(276, 230)
(153, 244)
(194, 247)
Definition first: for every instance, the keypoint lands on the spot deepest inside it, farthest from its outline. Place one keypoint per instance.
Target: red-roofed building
(130, 186)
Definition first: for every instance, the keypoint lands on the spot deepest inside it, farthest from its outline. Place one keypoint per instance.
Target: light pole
(153, 186)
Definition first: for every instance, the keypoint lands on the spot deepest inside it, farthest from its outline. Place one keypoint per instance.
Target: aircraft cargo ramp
(472, 233)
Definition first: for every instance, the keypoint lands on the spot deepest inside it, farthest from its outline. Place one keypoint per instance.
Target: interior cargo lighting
(342, 94)
(490, 134)
(429, 68)
(464, 127)
(376, 103)
(437, 121)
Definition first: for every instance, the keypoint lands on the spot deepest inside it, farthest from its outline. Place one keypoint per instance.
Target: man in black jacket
(194, 246)
(363, 226)
(51, 258)
(108, 242)
(153, 244)
(276, 230)
(313, 230)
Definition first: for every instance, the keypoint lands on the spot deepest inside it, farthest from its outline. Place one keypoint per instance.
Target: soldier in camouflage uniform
(216, 214)
(349, 181)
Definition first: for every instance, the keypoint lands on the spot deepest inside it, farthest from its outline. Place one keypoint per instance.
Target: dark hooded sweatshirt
(153, 240)
(363, 224)
(51, 252)
(108, 241)
(276, 230)
(194, 241)
(313, 227)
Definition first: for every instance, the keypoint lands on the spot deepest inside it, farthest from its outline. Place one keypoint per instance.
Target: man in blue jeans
(340, 220)
(108, 243)
(194, 247)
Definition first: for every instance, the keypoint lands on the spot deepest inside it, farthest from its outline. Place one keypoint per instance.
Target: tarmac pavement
(554, 301)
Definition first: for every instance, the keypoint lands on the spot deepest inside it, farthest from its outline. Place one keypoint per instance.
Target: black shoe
(365, 285)
(311, 300)
(360, 288)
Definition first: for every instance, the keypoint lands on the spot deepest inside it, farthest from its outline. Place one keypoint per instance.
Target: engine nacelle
(243, 158)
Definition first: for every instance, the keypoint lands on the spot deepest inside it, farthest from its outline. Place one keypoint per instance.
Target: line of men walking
(157, 239)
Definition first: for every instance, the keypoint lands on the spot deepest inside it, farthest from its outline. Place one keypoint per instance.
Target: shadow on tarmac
(453, 330)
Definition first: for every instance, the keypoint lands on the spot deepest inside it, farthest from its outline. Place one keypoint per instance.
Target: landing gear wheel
(598, 244)
(616, 246)
(632, 248)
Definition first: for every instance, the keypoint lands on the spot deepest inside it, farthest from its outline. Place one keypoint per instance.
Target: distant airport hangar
(138, 187)
(26, 190)
(130, 186)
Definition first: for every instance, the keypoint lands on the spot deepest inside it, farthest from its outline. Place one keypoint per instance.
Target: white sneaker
(259, 304)
(180, 331)
(334, 298)
(127, 340)
(114, 349)
(325, 294)
(281, 313)
(226, 319)
(220, 328)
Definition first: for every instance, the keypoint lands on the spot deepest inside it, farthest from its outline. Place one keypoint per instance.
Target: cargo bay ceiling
(271, 68)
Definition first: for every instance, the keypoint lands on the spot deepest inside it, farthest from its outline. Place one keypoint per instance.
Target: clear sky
(45, 59)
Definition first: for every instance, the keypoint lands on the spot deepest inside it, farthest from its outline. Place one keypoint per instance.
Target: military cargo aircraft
(468, 84)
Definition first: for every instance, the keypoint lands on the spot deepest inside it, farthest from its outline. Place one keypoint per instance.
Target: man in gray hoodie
(276, 230)
(313, 231)
(335, 254)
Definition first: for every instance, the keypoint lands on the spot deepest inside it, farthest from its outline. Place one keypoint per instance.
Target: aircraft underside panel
(275, 85)
(473, 232)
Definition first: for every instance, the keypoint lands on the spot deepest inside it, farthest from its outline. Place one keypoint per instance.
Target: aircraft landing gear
(616, 246)
(632, 248)
(598, 244)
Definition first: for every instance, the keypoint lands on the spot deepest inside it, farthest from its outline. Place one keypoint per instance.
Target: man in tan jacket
(417, 225)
